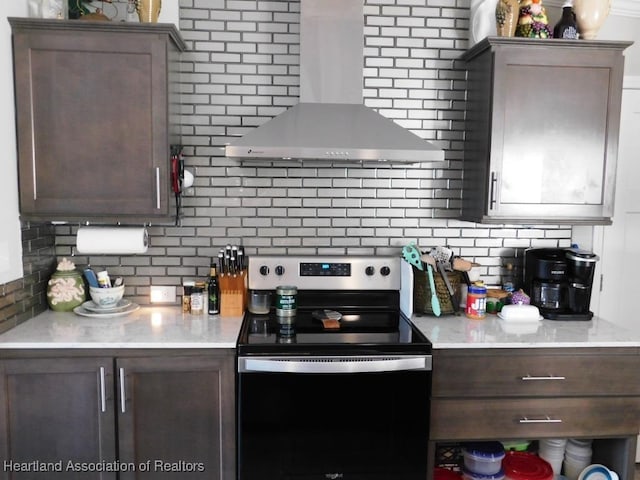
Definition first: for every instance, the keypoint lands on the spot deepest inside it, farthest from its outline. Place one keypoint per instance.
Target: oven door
(352, 418)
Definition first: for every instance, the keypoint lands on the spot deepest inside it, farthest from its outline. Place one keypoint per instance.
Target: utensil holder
(422, 291)
(233, 295)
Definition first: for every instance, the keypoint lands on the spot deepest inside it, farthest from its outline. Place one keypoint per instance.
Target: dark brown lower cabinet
(536, 393)
(173, 421)
(55, 412)
(126, 417)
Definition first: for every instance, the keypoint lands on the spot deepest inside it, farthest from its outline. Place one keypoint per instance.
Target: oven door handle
(364, 364)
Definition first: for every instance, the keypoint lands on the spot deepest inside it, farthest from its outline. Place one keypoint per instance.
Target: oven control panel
(325, 269)
(266, 272)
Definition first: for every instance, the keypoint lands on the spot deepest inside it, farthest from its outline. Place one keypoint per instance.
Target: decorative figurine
(533, 21)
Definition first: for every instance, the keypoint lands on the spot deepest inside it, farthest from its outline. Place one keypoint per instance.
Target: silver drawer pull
(103, 391)
(158, 188)
(547, 377)
(546, 419)
(123, 392)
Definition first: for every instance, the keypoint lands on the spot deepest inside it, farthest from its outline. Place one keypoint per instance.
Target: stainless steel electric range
(340, 390)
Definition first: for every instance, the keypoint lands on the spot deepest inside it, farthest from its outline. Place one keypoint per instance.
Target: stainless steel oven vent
(331, 122)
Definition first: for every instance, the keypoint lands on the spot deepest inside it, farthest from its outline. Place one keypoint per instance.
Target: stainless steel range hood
(331, 121)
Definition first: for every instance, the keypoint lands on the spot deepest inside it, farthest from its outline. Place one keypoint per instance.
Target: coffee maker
(559, 281)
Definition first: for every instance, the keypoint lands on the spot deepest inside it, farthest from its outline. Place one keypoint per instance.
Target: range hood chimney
(331, 121)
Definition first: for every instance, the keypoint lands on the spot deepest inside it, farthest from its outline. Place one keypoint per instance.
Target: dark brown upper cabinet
(541, 130)
(97, 108)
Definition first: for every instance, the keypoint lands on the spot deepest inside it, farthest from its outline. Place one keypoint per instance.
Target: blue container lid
(477, 289)
(489, 450)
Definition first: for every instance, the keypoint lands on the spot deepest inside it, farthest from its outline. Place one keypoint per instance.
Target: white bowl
(106, 297)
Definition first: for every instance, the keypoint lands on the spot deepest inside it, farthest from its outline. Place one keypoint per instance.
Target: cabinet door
(541, 139)
(554, 132)
(92, 124)
(56, 412)
(176, 416)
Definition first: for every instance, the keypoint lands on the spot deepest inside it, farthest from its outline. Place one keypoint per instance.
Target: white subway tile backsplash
(241, 69)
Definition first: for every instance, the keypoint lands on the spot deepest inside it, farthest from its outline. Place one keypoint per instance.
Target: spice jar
(476, 301)
(187, 288)
(197, 301)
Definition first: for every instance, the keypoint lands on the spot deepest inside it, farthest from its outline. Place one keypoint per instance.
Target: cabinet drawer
(516, 374)
(533, 418)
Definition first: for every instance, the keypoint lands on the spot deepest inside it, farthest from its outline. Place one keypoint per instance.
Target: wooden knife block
(233, 295)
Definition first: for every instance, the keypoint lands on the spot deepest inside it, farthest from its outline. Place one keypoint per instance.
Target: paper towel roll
(112, 240)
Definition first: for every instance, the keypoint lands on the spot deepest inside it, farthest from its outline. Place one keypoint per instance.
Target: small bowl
(106, 297)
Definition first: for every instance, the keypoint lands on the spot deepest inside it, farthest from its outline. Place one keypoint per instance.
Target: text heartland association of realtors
(102, 466)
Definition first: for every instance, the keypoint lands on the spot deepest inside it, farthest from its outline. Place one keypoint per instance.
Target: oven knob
(264, 270)
(279, 270)
(385, 271)
(369, 271)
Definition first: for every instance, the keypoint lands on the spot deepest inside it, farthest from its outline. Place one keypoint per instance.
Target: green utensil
(435, 303)
(412, 255)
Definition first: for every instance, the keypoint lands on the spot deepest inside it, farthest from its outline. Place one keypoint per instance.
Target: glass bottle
(508, 280)
(567, 26)
(214, 291)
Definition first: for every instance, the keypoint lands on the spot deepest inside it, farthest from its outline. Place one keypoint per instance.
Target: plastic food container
(516, 445)
(526, 466)
(440, 473)
(260, 302)
(467, 475)
(484, 458)
(520, 313)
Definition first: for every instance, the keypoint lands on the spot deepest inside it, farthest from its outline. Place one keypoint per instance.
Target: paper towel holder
(111, 240)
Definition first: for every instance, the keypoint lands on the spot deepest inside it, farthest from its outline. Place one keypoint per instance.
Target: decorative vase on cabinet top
(507, 12)
(482, 20)
(148, 10)
(590, 16)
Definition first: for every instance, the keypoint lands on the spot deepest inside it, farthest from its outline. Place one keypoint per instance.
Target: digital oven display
(324, 269)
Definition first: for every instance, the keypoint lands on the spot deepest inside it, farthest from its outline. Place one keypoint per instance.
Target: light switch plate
(162, 294)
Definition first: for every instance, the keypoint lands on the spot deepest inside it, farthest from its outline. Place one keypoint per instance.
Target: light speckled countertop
(168, 327)
(448, 332)
(149, 327)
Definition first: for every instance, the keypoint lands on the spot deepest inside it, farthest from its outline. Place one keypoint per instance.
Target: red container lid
(526, 466)
(445, 474)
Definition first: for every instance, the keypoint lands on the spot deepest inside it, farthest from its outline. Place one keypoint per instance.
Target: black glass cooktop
(358, 331)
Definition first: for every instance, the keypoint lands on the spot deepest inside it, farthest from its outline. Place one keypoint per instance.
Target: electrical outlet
(162, 294)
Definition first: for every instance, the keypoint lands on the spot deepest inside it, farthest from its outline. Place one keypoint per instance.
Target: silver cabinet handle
(546, 419)
(158, 188)
(103, 391)
(493, 192)
(547, 377)
(123, 399)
